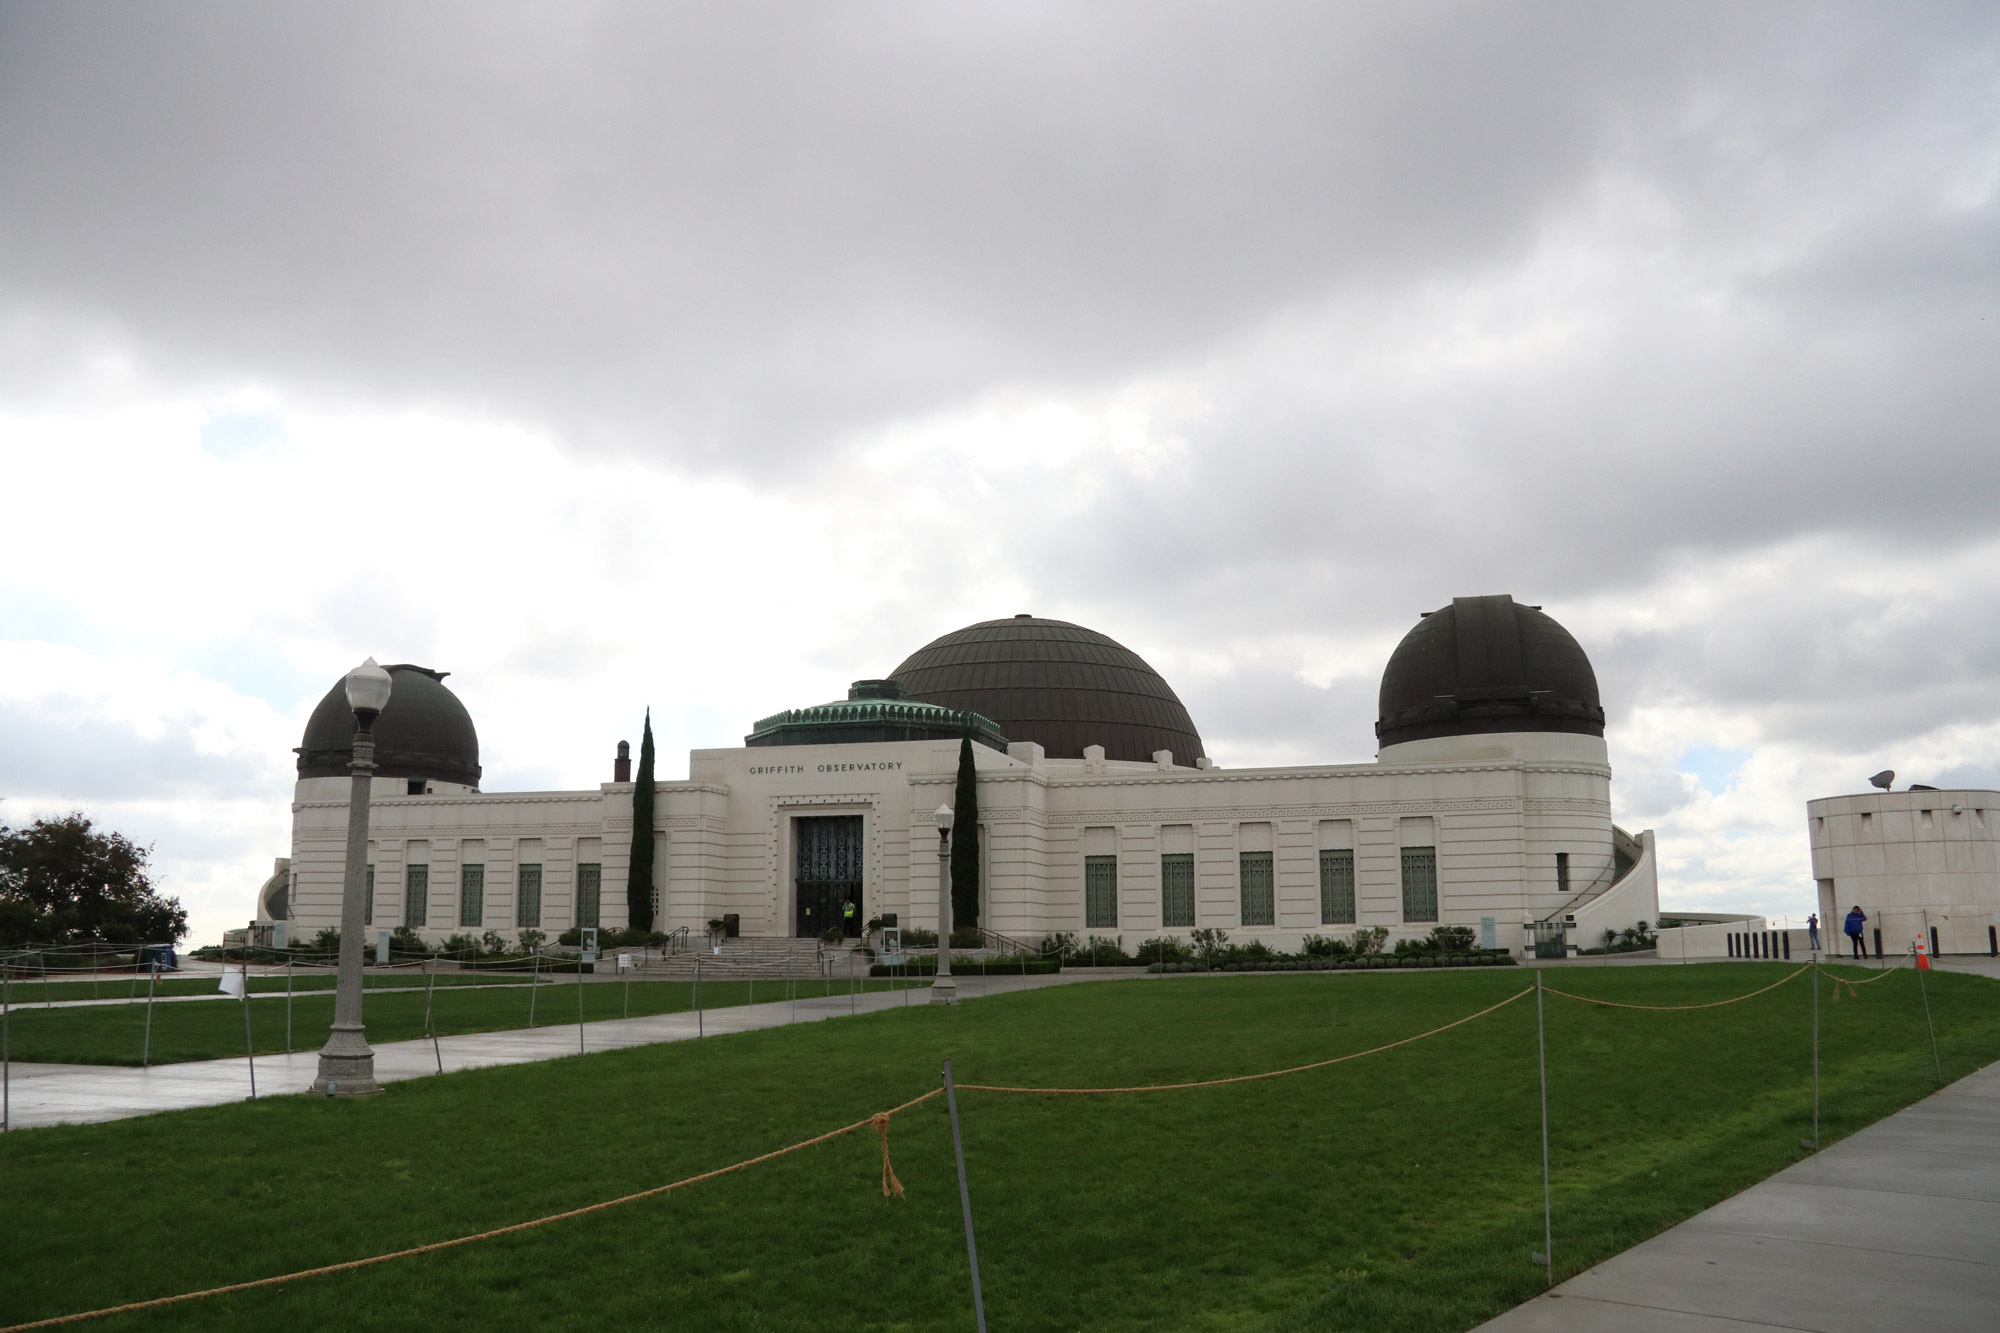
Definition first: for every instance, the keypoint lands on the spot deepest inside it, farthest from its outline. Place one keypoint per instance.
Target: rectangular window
(416, 896)
(1420, 884)
(1257, 904)
(1336, 887)
(368, 903)
(589, 876)
(415, 787)
(528, 909)
(1177, 889)
(472, 895)
(1562, 873)
(1100, 892)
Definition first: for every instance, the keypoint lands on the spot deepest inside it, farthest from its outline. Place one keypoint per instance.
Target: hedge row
(1496, 958)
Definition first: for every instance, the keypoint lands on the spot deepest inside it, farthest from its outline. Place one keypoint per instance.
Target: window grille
(1100, 892)
(1256, 900)
(472, 895)
(1420, 884)
(589, 875)
(416, 896)
(528, 896)
(1177, 889)
(1336, 887)
(1562, 873)
(368, 903)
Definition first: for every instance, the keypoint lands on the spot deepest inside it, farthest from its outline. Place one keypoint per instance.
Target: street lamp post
(346, 1064)
(943, 989)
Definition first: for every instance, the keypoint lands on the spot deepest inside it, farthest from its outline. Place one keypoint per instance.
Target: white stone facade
(1509, 816)
(1914, 861)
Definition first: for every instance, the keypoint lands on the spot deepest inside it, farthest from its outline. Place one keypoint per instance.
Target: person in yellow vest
(847, 918)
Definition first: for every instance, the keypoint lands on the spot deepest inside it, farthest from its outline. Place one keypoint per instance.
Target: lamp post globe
(346, 1064)
(943, 989)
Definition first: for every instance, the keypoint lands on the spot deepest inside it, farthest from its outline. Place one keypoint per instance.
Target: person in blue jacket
(1856, 919)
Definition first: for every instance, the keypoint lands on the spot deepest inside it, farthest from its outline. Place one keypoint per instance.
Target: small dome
(425, 732)
(875, 710)
(1054, 683)
(1487, 664)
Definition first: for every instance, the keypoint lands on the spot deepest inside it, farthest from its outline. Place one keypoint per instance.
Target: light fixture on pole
(346, 1064)
(943, 989)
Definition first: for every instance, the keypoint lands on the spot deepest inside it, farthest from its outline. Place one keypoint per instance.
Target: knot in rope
(890, 1185)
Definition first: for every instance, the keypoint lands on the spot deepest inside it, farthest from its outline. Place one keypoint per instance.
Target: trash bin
(731, 924)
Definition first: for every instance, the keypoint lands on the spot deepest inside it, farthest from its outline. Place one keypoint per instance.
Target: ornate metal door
(828, 874)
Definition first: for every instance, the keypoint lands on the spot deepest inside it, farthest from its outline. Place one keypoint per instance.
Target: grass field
(31, 989)
(213, 1029)
(1401, 1191)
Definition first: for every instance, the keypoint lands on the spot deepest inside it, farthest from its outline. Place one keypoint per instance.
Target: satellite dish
(1884, 778)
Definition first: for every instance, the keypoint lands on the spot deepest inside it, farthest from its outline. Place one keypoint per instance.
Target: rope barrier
(1677, 1008)
(1248, 1078)
(879, 1120)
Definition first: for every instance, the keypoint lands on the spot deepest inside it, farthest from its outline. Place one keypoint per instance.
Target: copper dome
(1054, 683)
(1487, 664)
(424, 732)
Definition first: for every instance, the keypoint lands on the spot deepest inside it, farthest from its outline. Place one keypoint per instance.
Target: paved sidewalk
(1894, 1228)
(47, 1094)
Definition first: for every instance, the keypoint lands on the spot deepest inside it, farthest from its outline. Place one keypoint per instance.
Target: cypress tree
(639, 878)
(965, 841)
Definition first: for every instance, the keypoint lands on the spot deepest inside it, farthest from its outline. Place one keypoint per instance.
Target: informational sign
(590, 944)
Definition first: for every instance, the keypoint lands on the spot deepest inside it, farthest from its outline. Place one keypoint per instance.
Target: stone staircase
(755, 956)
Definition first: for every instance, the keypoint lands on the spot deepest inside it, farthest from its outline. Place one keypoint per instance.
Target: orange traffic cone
(1923, 957)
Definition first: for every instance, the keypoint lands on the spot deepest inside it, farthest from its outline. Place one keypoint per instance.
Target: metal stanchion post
(288, 1006)
(146, 1052)
(964, 1197)
(430, 988)
(1548, 1254)
(534, 981)
(697, 996)
(579, 1002)
(1815, 964)
(1929, 1027)
(249, 1044)
(6, 1048)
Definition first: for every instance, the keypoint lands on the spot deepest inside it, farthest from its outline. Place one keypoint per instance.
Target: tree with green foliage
(639, 878)
(63, 882)
(965, 841)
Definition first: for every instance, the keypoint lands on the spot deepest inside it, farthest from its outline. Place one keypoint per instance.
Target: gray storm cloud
(1593, 304)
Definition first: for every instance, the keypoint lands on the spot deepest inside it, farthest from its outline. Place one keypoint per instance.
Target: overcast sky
(709, 357)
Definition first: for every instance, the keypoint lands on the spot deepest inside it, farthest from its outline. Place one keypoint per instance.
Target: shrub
(968, 937)
(831, 935)
(532, 940)
(1452, 939)
(327, 941)
(460, 946)
(573, 937)
(1165, 949)
(1210, 946)
(405, 940)
(916, 938)
(1325, 946)
(1368, 940)
(492, 943)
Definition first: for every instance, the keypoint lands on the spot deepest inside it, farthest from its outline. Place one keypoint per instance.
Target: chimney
(622, 770)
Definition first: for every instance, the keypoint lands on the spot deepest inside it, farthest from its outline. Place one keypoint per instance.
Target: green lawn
(32, 990)
(1399, 1192)
(213, 1029)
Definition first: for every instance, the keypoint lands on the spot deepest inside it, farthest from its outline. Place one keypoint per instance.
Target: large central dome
(424, 732)
(1054, 683)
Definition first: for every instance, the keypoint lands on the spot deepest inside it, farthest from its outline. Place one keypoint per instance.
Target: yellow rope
(879, 1119)
(1663, 1008)
(1245, 1078)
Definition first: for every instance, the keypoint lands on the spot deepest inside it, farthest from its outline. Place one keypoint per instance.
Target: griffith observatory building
(1488, 806)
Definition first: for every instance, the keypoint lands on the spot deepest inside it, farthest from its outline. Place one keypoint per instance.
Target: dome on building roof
(425, 732)
(875, 710)
(1487, 664)
(1054, 683)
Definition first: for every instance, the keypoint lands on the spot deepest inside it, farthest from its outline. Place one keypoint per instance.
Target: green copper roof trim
(886, 712)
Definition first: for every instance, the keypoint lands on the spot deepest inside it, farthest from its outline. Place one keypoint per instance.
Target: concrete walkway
(46, 1094)
(1894, 1228)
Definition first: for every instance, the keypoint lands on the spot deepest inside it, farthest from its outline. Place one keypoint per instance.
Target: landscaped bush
(1235, 961)
(1165, 949)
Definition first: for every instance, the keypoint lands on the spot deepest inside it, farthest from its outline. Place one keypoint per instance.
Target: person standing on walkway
(1812, 931)
(1856, 919)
